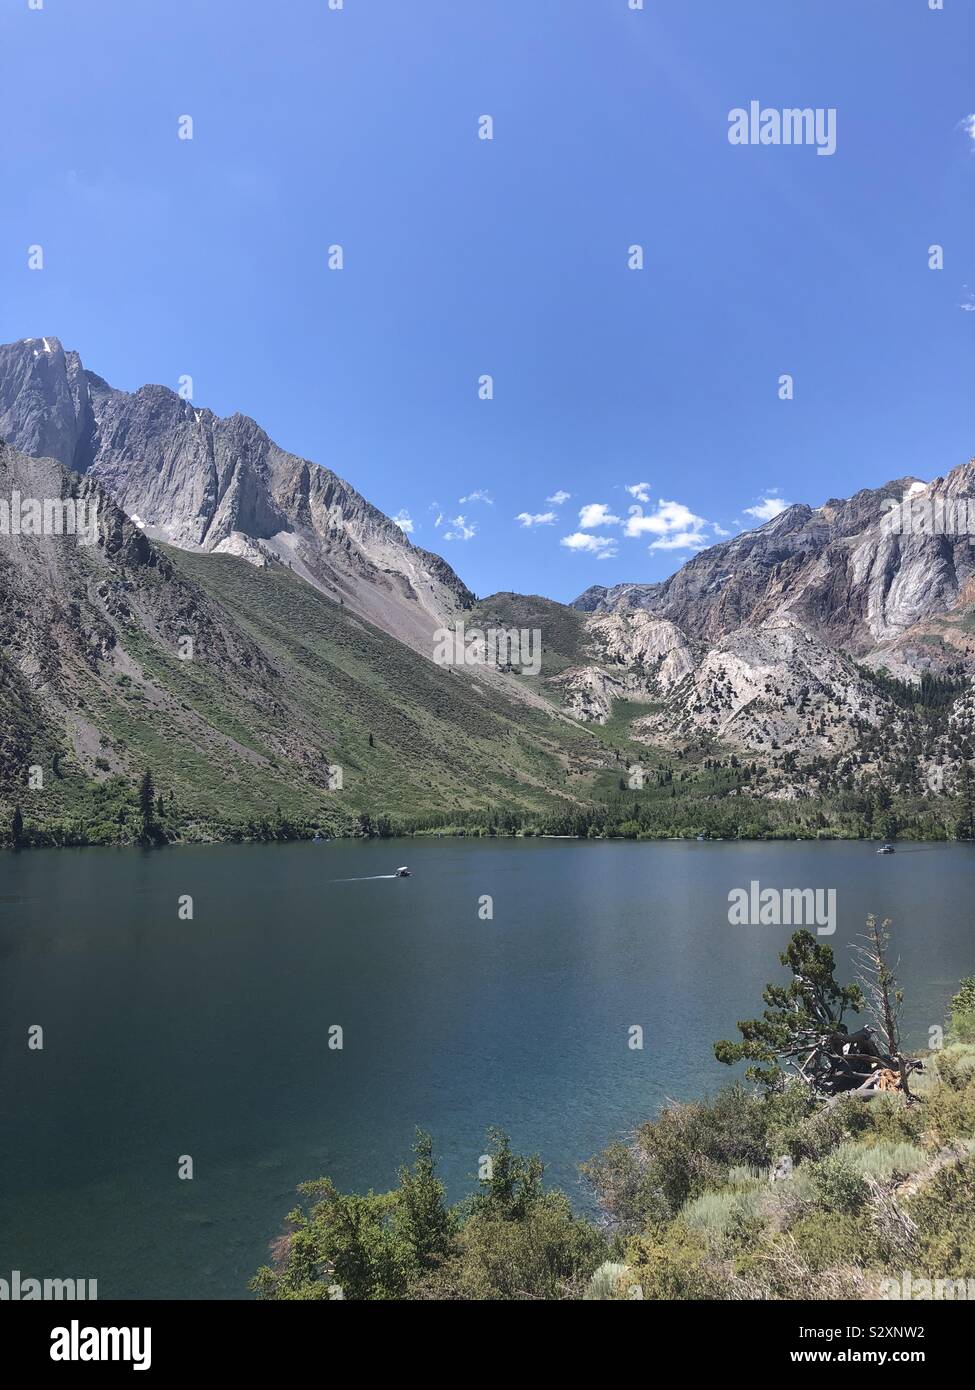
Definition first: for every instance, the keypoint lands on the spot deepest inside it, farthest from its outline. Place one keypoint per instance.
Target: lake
(210, 1037)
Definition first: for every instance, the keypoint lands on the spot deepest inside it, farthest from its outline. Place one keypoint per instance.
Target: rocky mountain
(839, 568)
(771, 635)
(243, 687)
(795, 642)
(222, 486)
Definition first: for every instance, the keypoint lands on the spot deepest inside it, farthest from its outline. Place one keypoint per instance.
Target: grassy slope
(284, 685)
(439, 739)
(562, 629)
(287, 683)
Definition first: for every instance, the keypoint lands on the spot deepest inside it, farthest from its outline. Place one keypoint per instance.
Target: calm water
(210, 1037)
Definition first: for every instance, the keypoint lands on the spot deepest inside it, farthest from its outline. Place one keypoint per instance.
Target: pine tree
(17, 827)
(423, 1218)
(802, 1026)
(147, 800)
(966, 823)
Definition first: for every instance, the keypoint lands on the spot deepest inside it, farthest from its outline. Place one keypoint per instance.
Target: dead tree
(878, 981)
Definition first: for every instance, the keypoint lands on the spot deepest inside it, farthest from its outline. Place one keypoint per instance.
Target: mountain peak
(201, 482)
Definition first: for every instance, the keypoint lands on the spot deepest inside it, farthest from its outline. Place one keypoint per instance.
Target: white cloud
(767, 508)
(968, 126)
(404, 521)
(596, 514)
(670, 519)
(559, 497)
(536, 518)
(462, 531)
(681, 540)
(670, 525)
(478, 495)
(641, 491)
(603, 546)
(968, 303)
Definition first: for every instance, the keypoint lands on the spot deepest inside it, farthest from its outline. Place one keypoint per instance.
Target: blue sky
(464, 257)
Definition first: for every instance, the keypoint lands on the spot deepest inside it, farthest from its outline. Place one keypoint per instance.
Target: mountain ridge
(243, 688)
(221, 485)
(775, 643)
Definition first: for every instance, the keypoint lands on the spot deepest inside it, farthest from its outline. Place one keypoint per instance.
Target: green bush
(692, 1147)
(608, 1281)
(882, 1160)
(830, 1239)
(675, 1264)
(944, 1213)
(821, 1129)
(838, 1183)
(713, 1213)
(961, 1016)
(546, 1254)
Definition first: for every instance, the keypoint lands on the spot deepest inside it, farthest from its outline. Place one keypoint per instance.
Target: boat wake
(367, 879)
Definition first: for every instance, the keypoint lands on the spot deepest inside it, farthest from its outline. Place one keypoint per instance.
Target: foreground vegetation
(765, 1192)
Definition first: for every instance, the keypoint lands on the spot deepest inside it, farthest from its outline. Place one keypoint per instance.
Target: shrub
(949, 1112)
(826, 1239)
(608, 1281)
(944, 1213)
(548, 1254)
(887, 1117)
(823, 1129)
(714, 1213)
(691, 1147)
(626, 1186)
(675, 1264)
(955, 1065)
(882, 1160)
(961, 1016)
(838, 1184)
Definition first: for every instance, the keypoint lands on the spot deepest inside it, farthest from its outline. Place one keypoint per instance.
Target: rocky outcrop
(777, 688)
(633, 656)
(653, 648)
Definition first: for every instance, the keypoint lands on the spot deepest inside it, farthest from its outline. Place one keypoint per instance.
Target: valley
(809, 677)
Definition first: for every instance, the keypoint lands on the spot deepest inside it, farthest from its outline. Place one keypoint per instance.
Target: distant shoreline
(462, 834)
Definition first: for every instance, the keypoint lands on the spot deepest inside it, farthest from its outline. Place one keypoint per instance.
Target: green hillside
(283, 688)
